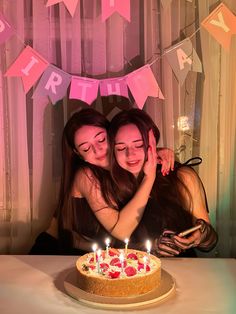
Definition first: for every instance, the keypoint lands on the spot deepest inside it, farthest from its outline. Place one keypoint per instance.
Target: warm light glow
(148, 246)
(183, 123)
(107, 241)
(94, 247)
(126, 241)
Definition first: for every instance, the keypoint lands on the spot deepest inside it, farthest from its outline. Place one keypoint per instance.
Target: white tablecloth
(35, 285)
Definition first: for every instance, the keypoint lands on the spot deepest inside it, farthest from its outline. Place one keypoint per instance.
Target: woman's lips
(102, 157)
(133, 163)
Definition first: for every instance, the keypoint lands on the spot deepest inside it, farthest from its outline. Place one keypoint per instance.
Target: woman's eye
(139, 146)
(119, 149)
(102, 140)
(86, 149)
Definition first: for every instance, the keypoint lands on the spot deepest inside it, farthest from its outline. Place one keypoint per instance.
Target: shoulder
(192, 182)
(188, 175)
(83, 181)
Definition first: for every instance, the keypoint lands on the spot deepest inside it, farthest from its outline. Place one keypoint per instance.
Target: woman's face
(91, 144)
(129, 149)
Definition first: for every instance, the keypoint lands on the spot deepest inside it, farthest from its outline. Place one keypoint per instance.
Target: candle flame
(107, 241)
(94, 247)
(126, 241)
(148, 246)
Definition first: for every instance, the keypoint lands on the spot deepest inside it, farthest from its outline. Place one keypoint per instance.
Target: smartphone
(186, 232)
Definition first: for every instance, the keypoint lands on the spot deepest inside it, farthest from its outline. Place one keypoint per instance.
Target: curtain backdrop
(30, 162)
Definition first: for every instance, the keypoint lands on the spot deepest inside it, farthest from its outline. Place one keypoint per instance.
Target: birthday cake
(117, 274)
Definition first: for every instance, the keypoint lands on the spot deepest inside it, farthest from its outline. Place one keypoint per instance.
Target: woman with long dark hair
(177, 202)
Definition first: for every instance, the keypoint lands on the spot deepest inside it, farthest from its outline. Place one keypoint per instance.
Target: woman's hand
(151, 164)
(185, 243)
(204, 238)
(165, 246)
(166, 158)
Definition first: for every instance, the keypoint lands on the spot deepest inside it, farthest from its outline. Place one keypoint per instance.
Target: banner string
(171, 49)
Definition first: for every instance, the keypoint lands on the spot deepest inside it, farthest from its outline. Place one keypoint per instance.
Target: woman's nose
(130, 151)
(96, 148)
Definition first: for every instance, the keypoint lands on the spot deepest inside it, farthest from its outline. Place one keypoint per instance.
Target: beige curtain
(218, 133)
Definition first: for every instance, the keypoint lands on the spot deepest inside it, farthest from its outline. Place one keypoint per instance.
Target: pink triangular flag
(29, 66)
(142, 83)
(70, 4)
(83, 88)
(111, 6)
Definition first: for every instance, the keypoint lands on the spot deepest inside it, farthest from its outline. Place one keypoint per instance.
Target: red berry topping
(130, 271)
(92, 267)
(141, 266)
(113, 252)
(120, 265)
(104, 266)
(132, 256)
(114, 261)
(114, 274)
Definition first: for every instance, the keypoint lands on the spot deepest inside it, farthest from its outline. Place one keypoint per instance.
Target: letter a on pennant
(221, 24)
(29, 66)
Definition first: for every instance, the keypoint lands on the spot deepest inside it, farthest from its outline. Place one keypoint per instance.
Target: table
(34, 284)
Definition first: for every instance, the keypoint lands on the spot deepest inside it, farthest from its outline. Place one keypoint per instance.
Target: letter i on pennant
(29, 66)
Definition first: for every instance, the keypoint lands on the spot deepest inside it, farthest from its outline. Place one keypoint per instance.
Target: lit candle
(99, 252)
(145, 263)
(122, 261)
(148, 246)
(107, 241)
(126, 246)
(94, 248)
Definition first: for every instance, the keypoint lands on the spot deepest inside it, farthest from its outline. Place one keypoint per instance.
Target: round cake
(118, 273)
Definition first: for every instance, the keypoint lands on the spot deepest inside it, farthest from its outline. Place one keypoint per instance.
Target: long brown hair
(169, 208)
(66, 211)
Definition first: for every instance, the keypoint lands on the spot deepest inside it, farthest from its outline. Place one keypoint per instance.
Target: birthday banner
(108, 7)
(53, 82)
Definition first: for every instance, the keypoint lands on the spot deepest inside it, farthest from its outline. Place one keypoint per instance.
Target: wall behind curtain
(30, 162)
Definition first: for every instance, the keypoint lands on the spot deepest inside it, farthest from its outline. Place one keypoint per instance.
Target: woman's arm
(205, 238)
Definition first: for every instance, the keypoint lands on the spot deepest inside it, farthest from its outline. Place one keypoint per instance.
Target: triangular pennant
(142, 83)
(6, 30)
(70, 4)
(53, 84)
(221, 24)
(183, 58)
(84, 88)
(114, 86)
(120, 6)
(29, 65)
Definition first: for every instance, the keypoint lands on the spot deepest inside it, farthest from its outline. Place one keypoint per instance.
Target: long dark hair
(66, 211)
(169, 209)
(144, 123)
